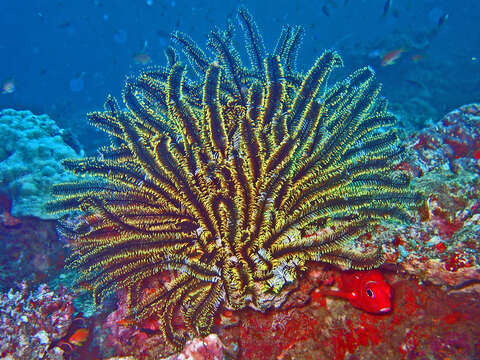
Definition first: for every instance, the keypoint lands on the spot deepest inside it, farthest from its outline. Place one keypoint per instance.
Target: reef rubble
(31, 321)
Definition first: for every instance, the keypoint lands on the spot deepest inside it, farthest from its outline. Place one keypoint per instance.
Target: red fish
(365, 290)
(476, 154)
(391, 57)
(79, 337)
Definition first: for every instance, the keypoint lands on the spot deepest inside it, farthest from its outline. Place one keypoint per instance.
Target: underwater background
(64, 57)
(59, 60)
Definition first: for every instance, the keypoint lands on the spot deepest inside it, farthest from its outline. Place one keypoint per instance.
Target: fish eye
(370, 293)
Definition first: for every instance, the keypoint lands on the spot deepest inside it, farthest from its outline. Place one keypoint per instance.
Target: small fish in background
(142, 58)
(325, 10)
(415, 83)
(416, 58)
(442, 19)
(8, 86)
(391, 57)
(420, 88)
(386, 7)
(437, 17)
(67, 26)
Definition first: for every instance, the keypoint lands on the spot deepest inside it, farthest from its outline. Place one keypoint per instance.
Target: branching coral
(225, 179)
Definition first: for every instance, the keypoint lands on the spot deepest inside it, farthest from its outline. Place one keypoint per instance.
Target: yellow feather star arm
(232, 180)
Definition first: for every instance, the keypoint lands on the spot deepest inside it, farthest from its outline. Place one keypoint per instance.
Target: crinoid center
(227, 173)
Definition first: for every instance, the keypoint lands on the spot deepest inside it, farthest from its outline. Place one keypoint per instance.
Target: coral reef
(426, 323)
(441, 245)
(31, 322)
(122, 336)
(226, 180)
(29, 251)
(31, 152)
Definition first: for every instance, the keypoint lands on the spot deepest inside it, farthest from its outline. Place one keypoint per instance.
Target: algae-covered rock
(441, 245)
(31, 150)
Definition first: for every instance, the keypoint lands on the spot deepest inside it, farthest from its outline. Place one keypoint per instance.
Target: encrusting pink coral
(208, 348)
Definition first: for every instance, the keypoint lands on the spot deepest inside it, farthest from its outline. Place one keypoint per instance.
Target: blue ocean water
(66, 56)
